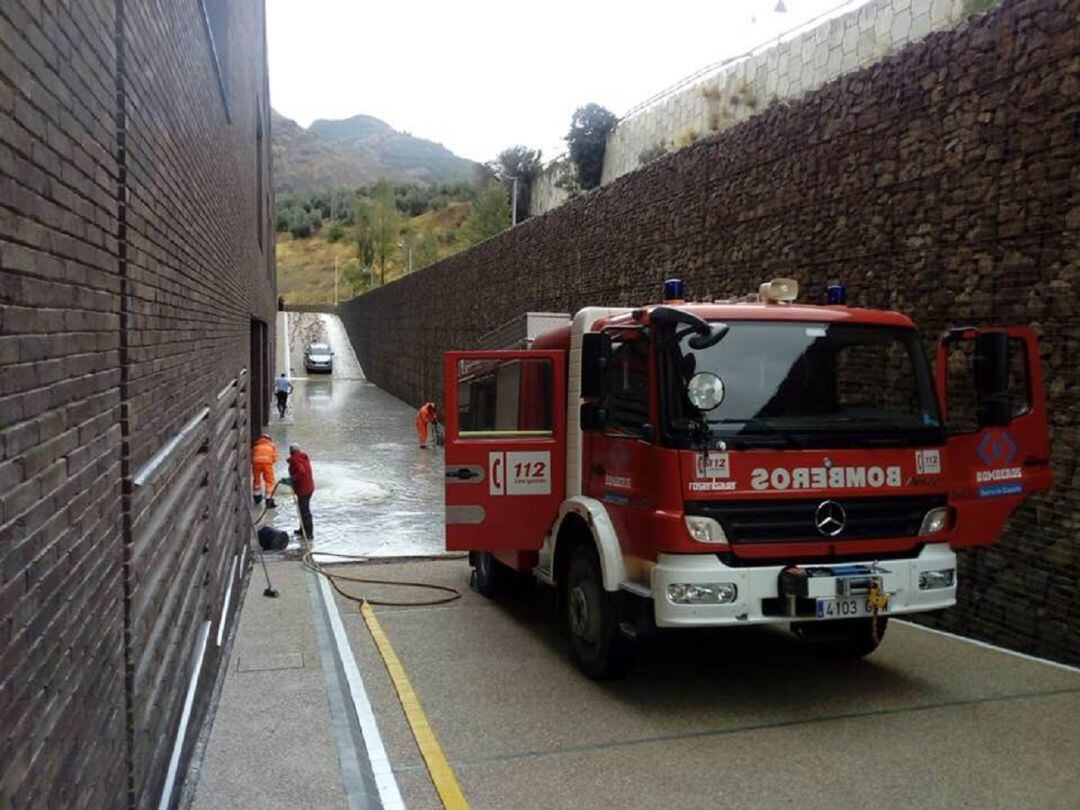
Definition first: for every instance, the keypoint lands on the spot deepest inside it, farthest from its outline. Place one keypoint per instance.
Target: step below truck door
(990, 384)
(505, 447)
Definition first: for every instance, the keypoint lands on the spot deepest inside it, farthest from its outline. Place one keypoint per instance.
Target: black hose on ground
(312, 564)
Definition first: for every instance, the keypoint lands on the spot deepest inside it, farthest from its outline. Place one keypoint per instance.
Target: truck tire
(592, 614)
(490, 576)
(841, 638)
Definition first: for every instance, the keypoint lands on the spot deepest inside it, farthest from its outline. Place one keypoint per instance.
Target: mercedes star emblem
(830, 518)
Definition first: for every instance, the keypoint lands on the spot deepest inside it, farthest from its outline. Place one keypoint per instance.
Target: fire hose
(309, 561)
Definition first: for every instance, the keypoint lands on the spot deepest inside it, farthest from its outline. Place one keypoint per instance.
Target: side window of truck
(627, 393)
(504, 399)
(963, 400)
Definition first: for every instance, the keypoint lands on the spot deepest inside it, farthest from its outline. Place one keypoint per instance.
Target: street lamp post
(513, 203)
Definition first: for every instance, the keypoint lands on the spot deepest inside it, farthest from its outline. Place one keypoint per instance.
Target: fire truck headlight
(934, 521)
(705, 529)
(702, 593)
(934, 580)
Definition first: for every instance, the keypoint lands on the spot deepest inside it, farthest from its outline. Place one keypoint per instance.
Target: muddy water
(377, 493)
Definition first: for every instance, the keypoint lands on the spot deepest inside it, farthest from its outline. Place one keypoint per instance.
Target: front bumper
(900, 579)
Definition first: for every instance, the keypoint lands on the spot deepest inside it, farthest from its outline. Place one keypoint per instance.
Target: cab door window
(961, 394)
(628, 384)
(504, 399)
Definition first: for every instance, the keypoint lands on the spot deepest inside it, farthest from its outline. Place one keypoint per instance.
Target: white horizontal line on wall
(151, 468)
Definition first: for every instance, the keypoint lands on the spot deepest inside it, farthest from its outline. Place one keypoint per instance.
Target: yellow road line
(442, 775)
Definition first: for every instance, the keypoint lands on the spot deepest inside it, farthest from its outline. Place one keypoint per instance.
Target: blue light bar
(837, 295)
(674, 290)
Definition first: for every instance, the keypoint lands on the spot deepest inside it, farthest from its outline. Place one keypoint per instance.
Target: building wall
(940, 182)
(132, 271)
(771, 74)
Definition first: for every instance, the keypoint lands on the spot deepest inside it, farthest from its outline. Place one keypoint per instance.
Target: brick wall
(940, 182)
(121, 326)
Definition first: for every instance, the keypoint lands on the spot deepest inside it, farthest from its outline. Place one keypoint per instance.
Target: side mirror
(595, 354)
(593, 416)
(992, 378)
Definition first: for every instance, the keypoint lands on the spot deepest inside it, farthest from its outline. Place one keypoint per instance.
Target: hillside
(357, 151)
(305, 267)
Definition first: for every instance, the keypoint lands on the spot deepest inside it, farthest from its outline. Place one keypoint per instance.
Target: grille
(793, 520)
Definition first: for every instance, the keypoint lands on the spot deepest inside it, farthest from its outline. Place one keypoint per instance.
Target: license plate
(849, 608)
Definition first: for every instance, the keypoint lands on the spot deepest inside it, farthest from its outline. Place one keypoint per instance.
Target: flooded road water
(376, 492)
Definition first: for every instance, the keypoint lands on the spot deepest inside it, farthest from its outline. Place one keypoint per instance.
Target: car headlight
(934, 521)
(935, 580)
(702, 593)
(705, 529)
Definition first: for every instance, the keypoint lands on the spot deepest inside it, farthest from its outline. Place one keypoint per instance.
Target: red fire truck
(741, 462)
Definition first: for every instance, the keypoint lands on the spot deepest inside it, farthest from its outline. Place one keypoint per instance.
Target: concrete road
(742, 718)
(378, 493)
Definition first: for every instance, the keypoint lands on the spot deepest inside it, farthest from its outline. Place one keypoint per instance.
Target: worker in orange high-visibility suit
(424, 417)
(263, 455)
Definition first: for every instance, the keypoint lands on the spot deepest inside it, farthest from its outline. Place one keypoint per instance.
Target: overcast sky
(479, 76)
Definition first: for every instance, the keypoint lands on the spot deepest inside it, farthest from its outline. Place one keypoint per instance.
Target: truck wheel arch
(580, 518)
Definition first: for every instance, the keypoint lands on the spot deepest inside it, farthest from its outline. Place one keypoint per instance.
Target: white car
(318, 357)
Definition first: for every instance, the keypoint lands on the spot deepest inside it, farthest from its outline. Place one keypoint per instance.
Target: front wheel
(490, 576)
(842, 638)
(592, 614)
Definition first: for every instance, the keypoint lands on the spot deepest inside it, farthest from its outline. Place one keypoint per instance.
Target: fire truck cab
(742, 462)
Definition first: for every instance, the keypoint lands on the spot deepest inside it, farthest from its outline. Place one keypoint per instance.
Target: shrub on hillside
(333, 232)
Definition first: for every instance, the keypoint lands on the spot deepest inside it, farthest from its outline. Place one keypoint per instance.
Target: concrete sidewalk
(746, 717)
(272, 742)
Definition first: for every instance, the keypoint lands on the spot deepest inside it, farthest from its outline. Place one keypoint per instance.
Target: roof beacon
(779, 291)
(837, 295)
(674, 291)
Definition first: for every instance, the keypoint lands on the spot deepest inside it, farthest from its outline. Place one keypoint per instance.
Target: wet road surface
(376, 492)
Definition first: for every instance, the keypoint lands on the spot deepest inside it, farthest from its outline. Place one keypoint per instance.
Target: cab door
(990, 385)
(505, 447)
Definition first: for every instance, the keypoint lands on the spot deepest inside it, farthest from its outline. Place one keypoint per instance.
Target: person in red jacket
(303, 484)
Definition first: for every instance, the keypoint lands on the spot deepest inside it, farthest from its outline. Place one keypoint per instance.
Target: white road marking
(990, 646)
(389, 793)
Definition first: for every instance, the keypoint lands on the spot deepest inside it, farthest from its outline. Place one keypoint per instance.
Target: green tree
(425, 248)
(490, 214)
(300, 225)
(352, 273)
(521, 163)
(385, 226)
(587, 140)
(365, 233)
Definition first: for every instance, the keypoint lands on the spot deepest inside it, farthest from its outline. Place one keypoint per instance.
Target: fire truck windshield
(771, 383)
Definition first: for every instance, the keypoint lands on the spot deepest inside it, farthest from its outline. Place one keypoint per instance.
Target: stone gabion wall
(131, 269)
(940, 182)
(782, 72)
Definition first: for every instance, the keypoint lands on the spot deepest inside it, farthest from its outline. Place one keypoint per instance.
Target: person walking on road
(282, 389)
(264, 454)
(424, 417)
(303, 484)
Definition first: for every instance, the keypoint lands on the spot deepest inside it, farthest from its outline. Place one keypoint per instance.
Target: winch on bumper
(696, 590)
